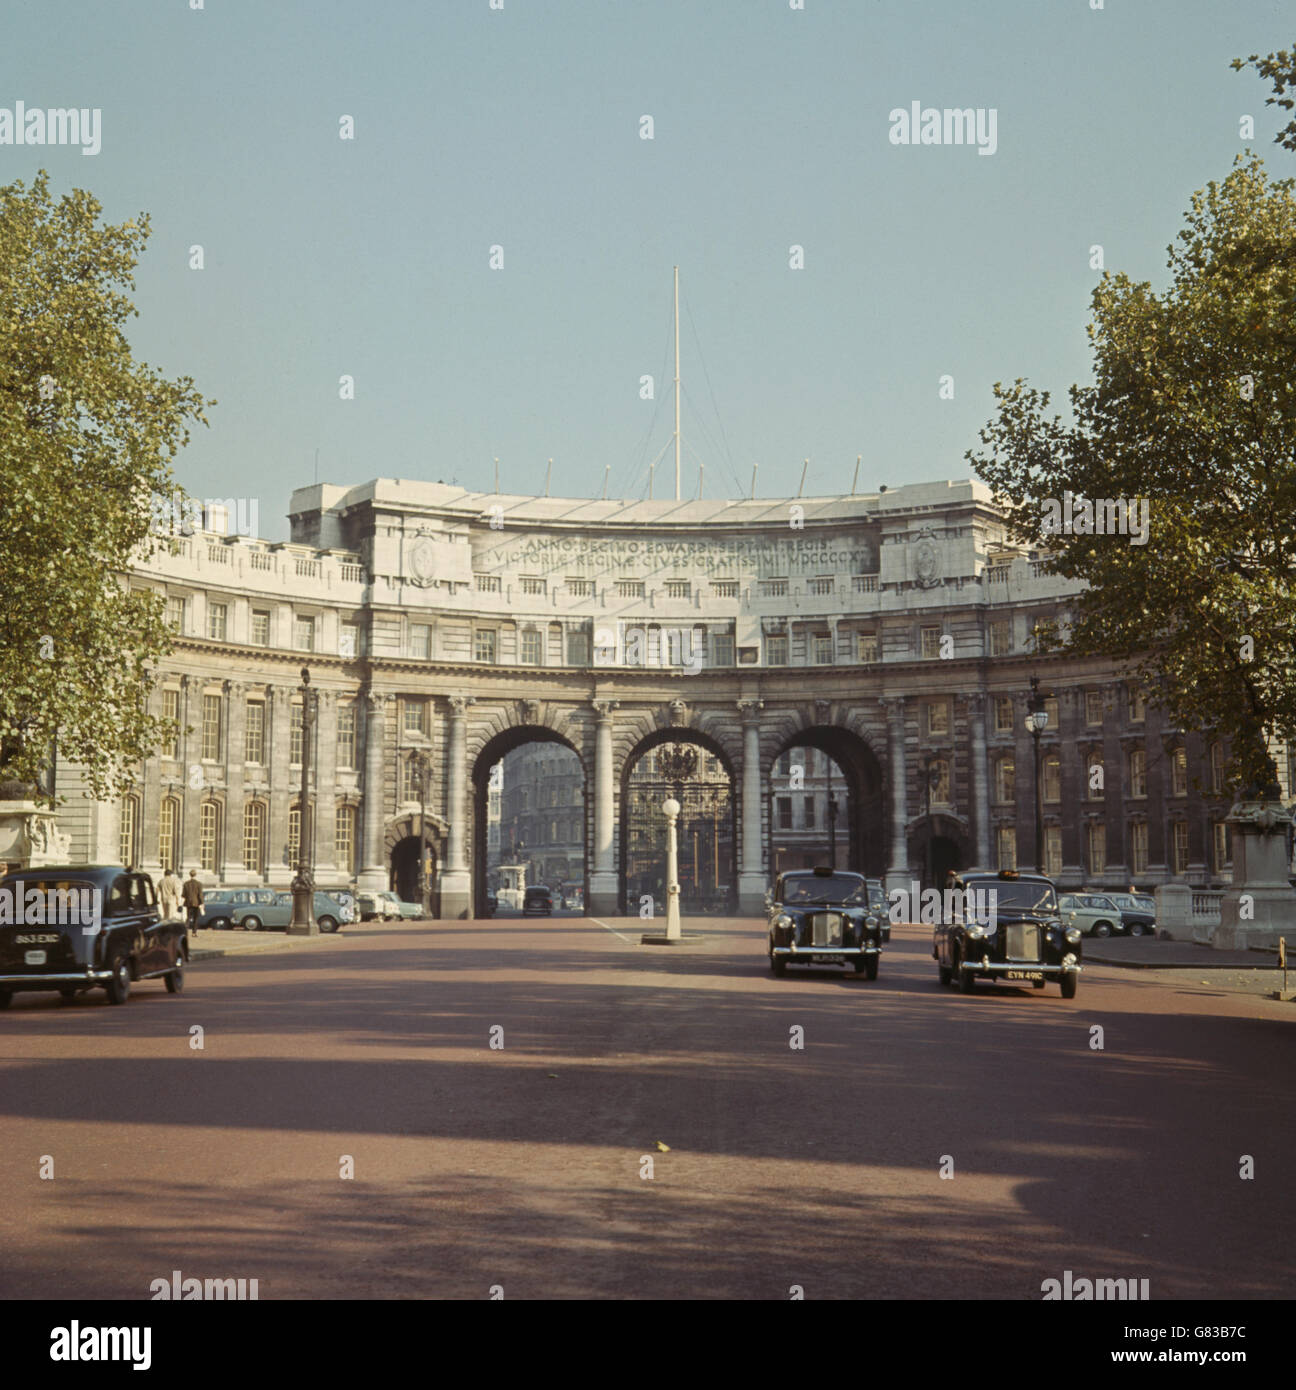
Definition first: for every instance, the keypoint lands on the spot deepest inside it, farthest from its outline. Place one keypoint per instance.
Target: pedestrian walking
(192, 896)
(169, 896)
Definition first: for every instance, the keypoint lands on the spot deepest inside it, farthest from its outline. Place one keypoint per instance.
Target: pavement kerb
(277, 942)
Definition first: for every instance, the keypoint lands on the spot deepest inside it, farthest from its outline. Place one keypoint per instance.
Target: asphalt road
(524, 1166)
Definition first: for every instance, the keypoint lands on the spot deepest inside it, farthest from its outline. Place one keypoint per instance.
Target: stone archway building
(882, 629)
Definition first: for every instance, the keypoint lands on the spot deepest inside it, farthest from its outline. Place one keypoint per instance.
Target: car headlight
(783, 920)
(871, 923)
(974, 932)
(1072, 935)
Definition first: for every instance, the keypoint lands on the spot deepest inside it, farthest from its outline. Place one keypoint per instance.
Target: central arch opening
(693, 769)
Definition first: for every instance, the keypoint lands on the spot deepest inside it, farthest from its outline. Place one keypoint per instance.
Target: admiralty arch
(893, 631)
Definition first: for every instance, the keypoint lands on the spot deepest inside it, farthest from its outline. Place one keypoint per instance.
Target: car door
(157, 951)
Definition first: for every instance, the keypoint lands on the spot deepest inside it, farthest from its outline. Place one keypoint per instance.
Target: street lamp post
(303, 887)
(1036, 723)
(421, 767)
(832, 819)
(931, 779)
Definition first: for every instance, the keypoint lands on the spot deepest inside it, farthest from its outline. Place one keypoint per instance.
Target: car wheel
(1039, 984)
(67, 995)
(945, 973)
(967, 982)
(175, 980)
(251, 924)
(119, 987)
(1102, 929)
(777, 965)
(327, 923)
(219, 924)
(1137, 929)
(6, 998)
(1069, 983)
(871, 968)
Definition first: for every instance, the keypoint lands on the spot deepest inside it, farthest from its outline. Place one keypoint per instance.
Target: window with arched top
(128, 839)
(168, 832)
(254, 837)
(208, 836)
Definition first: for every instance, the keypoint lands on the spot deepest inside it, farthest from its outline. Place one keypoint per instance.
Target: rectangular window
(171, 710)
(1138, 847)
(420, 642)
(1179, 772)
(930, 644)
(1003, 712)
(484, 644)
(346, 735)
(940, 793)
(174, 614)
(488, 583)
(580, 588)
(821, 653)
(1094, 777)
(1137, 772)
(416, 717)
(127, 820)
(1007, 839)
(1001, 637)
(1005, 782)
(938, 718)
(344, 839)
(1053, 778)
(1217, 769)
(679, 588)
(1220, 835)
(217, 614)
(1094, 708)
(208, 827)
(532, 585)
(725, 588)
(784, 804)
(260, 628)
(630, 588)
(821, 585)
(1137, 705)
(254, 837)
(254, 732)
(1051, 709)
(578, 647)
(773, 588)
(1053, 850)
(866, 647)
(304, 634)
(349, 641)
(529, 647)
(295, 736)
(1096, 846)
(294, 834)
(211, 728)
(809, 812)
(776, 649)
(722, 648)
(1181, 846)
(168, 832)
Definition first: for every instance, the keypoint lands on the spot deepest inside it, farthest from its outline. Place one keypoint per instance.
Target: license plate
(825, 960)
(1023, 974)
(34, 957)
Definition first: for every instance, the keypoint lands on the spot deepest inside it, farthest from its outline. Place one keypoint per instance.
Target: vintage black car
(85, 927)
(1018, 935)
(823, 916)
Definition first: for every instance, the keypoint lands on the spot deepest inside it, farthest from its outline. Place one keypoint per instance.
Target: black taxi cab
(824, 916)
(1005, 926)
(82, 927)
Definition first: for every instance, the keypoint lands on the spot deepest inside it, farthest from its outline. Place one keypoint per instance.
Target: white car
(1094, 913)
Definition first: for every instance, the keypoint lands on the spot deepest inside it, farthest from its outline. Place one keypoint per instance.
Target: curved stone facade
(885, 630)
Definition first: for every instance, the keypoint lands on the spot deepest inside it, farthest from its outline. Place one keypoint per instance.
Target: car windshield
(828, 888)
(1018, 895)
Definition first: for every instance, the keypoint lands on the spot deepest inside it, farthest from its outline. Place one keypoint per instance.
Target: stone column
(285, 784)
(233, 869)
(324, 778)
(603, 894)
(898, 875)
(456, 876)
(191, 692)
(1259, 905)
(373, 873)
(976, 707)
(752, 879)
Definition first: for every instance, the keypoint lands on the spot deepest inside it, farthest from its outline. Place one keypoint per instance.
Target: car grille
(1022, 941)
(826, 929)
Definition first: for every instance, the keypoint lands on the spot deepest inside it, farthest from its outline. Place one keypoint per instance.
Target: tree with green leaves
(87, 435)
(1193, 408)
(1280, 69)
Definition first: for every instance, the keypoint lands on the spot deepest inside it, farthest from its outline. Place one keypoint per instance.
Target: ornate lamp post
(1036, 723)
(420, 765)
(303, 886)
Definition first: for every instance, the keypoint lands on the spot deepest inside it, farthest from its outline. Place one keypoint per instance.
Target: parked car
(824, 916)
(538, 900)
(400, 909)
(1025, 938)
(877, 898)
(219, 904)
(1094, 913)
(123, 942)
(1138, 913)
(329, 913)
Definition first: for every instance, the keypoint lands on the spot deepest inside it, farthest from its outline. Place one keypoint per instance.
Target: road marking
(613, 930)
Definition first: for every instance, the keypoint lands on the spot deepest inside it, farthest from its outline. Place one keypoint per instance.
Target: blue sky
(520, 128)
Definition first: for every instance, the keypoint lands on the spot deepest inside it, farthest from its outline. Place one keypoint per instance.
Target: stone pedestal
(1260, 906)
(29, 836)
